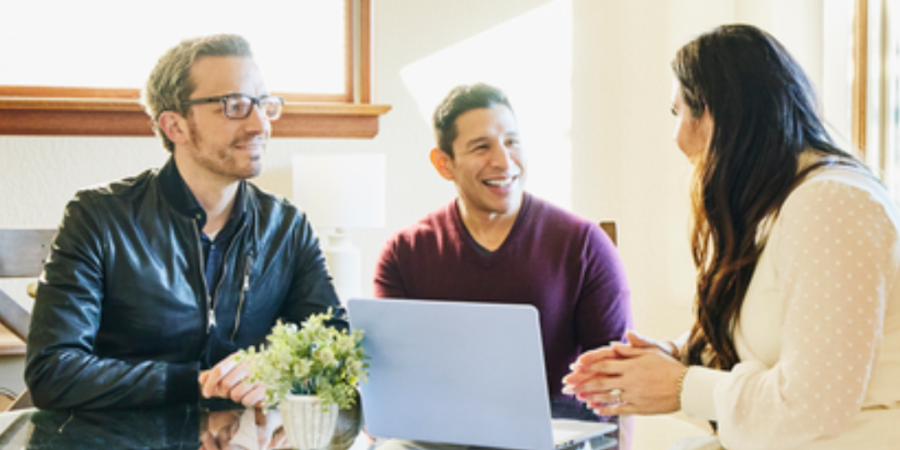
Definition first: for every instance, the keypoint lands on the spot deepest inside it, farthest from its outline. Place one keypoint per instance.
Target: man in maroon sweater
(496, 243)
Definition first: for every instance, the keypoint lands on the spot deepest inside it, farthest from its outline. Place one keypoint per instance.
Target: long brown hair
(764, 116)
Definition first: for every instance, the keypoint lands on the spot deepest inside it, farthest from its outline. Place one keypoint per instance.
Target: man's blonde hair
(170, 84)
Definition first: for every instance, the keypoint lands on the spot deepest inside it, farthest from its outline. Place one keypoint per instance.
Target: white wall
(625, 166)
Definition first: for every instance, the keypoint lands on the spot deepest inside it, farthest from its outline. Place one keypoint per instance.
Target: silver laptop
(461, 373)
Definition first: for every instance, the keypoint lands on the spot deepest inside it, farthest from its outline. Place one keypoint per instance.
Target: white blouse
(819, 332)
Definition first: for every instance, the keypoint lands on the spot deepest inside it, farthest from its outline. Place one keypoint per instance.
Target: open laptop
(461, 373)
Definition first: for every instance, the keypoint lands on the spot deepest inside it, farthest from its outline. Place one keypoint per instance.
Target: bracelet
(680, 386)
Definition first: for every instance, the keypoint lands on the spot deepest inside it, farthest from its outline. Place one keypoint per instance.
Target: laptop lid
(456, 372)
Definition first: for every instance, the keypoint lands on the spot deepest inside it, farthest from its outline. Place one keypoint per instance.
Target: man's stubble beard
(223, 163)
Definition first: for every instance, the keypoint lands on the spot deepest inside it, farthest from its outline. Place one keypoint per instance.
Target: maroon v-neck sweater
(562, 264)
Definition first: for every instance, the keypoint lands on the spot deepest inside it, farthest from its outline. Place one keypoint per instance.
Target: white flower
(325, 356)
(314, 359)
(345, 344)
(301, 368)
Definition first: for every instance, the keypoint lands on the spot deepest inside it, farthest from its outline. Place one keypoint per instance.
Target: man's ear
(441, 161)
(174, 126)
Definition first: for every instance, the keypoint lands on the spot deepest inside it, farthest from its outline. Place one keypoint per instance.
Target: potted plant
(310, 372)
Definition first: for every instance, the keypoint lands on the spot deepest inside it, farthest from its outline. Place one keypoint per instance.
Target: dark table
(188, 427)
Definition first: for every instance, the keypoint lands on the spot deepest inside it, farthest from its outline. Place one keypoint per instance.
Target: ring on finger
(617, 394)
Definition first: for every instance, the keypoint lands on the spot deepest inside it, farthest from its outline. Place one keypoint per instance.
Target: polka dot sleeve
(833, 251)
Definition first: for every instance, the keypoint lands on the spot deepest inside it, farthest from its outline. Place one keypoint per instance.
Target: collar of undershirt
(487, 257)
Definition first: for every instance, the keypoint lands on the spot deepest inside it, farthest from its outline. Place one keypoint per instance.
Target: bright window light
(837, 78)
(530, 59)
(299, 44)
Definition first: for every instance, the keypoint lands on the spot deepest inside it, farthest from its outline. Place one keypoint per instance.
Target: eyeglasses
(239, 106)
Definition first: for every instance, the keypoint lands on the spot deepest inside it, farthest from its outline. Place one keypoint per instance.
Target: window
(288, 38)
(876, 88)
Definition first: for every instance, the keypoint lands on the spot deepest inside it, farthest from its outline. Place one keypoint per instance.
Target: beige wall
(625, 166)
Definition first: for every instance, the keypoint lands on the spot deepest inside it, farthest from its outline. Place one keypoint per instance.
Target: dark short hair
(461, 99)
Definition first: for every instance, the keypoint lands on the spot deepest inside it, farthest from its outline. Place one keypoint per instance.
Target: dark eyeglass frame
(254, 102)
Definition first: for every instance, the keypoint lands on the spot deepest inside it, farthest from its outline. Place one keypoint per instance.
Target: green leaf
(313, 359)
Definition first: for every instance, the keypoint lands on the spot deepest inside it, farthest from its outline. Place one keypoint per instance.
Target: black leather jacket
(122, 317)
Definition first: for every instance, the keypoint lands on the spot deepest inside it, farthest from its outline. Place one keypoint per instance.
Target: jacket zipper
(211, 301)
(244, 288)
(210, 314)
(63, 426)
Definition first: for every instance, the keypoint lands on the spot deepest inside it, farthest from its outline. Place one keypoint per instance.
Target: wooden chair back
(22, 255)
(609, 226)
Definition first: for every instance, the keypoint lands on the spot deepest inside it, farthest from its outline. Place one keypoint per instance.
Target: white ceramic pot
(307, 426)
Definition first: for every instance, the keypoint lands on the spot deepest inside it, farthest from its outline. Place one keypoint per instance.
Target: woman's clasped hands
(638, 377)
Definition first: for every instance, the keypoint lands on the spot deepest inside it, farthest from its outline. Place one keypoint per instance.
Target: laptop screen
(454, 372)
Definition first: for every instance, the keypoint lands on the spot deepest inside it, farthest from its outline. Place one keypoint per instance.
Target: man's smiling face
(488, 162)
(227, 147)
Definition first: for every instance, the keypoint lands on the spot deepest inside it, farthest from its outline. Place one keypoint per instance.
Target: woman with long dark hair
(796, 342)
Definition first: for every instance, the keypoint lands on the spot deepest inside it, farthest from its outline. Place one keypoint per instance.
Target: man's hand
(228, 379)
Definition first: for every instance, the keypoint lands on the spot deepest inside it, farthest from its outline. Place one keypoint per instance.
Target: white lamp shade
(341, 191)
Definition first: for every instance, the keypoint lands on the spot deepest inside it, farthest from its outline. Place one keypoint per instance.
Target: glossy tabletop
(180, 427)
(187, 427)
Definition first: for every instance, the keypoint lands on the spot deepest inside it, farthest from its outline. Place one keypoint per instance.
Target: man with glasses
(155, 281)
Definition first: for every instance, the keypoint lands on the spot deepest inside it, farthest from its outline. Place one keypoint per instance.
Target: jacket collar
(177, 193)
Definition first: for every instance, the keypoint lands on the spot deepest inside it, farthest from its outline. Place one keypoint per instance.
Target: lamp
(338, 192)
